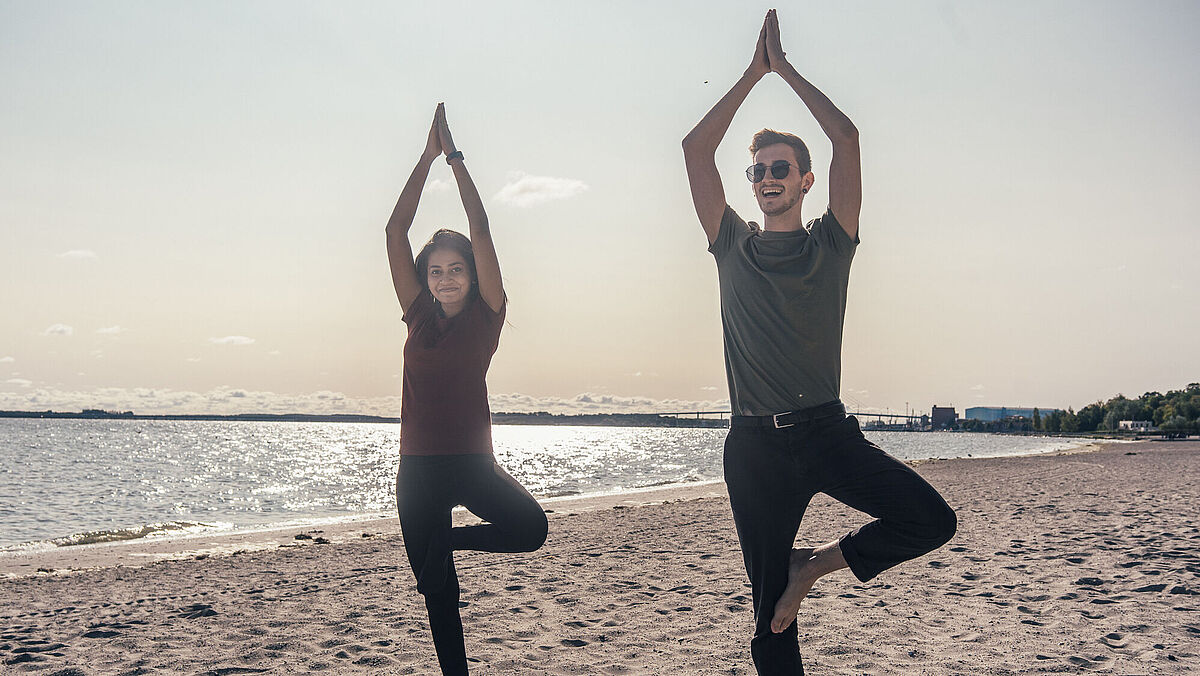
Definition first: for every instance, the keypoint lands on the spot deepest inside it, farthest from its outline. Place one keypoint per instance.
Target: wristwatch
(456, 155)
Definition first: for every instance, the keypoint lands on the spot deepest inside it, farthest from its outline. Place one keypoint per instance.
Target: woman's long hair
(456, 242)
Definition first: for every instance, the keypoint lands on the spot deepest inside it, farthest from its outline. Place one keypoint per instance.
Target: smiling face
(448, 277)
(776, 196)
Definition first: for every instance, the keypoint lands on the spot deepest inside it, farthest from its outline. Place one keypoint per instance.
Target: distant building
(1135, 425)
(943, 416)
(994, 413)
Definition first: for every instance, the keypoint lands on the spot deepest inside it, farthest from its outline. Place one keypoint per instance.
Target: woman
(453, 303)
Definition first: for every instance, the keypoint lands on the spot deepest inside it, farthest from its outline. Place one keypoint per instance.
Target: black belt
(789, 418)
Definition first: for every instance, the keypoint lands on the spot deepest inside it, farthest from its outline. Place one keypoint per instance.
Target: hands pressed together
(768, 53)
(440, 142)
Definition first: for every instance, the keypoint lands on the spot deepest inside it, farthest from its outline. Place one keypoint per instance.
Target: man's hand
(760, 65)
(443, 129)
(433, 144)
(775, 54)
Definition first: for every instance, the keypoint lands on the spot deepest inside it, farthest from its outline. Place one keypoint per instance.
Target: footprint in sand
(1151, 588)
(1114, 640)
(196, 610)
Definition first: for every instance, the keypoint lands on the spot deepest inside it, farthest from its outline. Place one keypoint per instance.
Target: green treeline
(1176, 412)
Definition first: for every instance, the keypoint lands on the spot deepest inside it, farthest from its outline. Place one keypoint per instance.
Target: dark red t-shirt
(444, 408)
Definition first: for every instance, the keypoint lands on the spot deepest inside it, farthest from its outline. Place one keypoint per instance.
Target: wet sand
(1076, 562)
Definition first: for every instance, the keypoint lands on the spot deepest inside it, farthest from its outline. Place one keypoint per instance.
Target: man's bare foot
(802, 574)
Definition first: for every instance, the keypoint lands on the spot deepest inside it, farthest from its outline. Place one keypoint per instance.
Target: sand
(1086, 561)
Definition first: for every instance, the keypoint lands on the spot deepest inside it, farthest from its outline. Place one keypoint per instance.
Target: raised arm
(700, 145)
(845, 171)
(487, 264)
(400, 256)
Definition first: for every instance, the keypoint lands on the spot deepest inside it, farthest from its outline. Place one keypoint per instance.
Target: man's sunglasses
(758, 172)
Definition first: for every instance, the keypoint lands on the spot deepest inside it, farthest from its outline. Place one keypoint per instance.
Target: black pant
(427, 488)
(772, 474)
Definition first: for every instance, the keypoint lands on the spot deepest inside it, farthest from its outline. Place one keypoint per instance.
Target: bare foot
(802, 573)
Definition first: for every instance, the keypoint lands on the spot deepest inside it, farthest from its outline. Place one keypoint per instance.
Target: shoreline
(162, 542)
(1080, 560)
(49, 556)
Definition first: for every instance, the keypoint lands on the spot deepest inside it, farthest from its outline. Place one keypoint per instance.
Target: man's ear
(807, 182)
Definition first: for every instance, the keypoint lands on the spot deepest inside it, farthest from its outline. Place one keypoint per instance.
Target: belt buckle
(775, 421)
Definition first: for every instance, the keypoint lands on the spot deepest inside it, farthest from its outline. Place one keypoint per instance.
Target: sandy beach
(1084, 561)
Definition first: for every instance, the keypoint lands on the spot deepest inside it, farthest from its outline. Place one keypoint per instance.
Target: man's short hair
(769, 137)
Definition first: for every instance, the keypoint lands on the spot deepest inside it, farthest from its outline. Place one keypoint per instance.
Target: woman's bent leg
(516, 522)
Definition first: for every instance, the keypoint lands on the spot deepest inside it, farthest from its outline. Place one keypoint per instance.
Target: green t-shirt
(783, 301)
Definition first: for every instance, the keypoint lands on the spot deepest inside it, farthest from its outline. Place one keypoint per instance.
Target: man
(783, 300)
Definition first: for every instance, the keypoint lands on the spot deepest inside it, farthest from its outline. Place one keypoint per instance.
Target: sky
(193, 197)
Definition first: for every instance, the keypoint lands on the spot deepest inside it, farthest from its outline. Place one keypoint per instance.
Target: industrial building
(994, 413)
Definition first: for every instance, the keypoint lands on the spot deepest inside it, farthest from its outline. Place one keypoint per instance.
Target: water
(66, 482)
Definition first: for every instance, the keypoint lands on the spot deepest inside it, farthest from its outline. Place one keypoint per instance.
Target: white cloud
(976, 388)
(6, 360)
(274, 353)
(591, 402)
(524, 190)
(58, 330)
(111, 330)
(231, 340)
(19, 381)
(78, 254)
(193, 359)
(229, 400)
(438, 185)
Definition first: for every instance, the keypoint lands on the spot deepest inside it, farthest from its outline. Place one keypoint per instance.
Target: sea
(73, 482)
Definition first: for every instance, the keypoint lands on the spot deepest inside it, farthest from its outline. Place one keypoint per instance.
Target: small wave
(691, 478)
(119, 534)
(559, 494)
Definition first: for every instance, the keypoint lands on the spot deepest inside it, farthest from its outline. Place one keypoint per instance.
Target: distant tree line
(1176, 413)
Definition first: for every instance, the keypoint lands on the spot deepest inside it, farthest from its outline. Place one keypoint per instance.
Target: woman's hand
(433, 144)
(443, 129)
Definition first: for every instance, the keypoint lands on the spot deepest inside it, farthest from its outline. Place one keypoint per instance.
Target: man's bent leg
(768, 500)
(911, 517)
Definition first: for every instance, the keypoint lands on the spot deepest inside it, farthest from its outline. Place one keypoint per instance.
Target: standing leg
(424, 521)
(445, 624)
(515, 520)
(768, 499)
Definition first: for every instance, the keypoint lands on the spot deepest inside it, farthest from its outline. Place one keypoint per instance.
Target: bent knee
(942, 525)
(533, 532)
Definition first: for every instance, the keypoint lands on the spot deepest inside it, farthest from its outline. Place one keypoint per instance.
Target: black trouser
(773, 473)
(427, 488)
